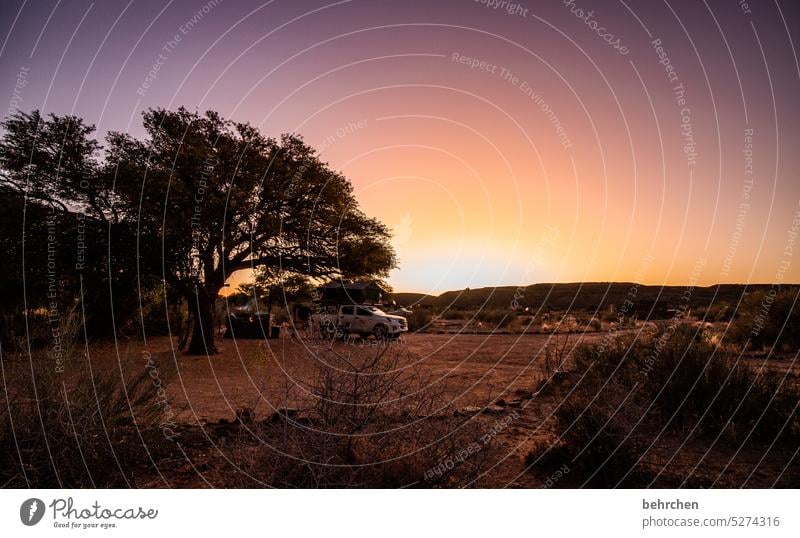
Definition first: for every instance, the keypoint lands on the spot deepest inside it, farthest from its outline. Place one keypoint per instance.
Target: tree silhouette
(203, 198)
(56, 224)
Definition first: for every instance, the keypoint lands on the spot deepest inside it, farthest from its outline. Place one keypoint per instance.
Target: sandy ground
(265, 375)
(474, 372)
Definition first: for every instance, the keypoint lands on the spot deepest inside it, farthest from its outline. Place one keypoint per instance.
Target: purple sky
(564, 123)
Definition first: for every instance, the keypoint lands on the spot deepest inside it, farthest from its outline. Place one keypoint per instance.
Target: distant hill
(582, 296)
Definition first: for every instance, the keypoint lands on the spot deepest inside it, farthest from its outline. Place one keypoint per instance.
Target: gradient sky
(563, 159)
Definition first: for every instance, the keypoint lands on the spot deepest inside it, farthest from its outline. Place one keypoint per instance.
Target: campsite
(491, 404)
(362, 244)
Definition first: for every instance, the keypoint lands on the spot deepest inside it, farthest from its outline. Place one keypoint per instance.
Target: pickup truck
(359, 319)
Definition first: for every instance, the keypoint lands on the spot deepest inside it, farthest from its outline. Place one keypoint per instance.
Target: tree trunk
(186, 328)
(202, 304)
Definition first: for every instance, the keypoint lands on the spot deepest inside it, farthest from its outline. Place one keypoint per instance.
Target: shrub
(160, 313)
(768, 318)
(498, 318)
(455, 314)
(714, 313)
(419, 320)
(369, 422)
(630, 388)
(79, 427)
(597, 444)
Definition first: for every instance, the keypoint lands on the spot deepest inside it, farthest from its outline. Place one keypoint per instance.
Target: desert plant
(768, 319)
(451, 313)
(368, 421)
(598, 444)
(556, 354)
(419, 320)
(676, 380)
(68, 421)
(713, 313)
(499, 318)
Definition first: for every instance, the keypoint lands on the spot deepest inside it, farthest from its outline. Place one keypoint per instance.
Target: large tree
(211, 197)
(196, 199)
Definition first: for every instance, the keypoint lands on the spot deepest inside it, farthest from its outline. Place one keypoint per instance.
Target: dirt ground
(495, 377)
(266, 375)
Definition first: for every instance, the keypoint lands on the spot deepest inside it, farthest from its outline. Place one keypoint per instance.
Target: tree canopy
(196, 199)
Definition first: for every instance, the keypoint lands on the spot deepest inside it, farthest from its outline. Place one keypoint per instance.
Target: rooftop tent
(337, 293)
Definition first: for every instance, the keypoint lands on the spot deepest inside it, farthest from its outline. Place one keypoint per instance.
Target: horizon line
(685, 285)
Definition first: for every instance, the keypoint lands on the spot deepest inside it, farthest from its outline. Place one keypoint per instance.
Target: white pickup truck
(359, 319)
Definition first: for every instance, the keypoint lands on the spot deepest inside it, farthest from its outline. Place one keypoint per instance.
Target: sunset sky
(655, 141)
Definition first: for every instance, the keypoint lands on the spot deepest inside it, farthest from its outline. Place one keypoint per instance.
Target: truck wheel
(380, 332)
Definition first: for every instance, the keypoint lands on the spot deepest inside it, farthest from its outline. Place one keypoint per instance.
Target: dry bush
(497, 318)
(630, 389)
(370, 420)
(768, 319)
(556, 354)
(419, 320)
(71, 428)
(596, 445)
(714, 389)
(717, 312)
